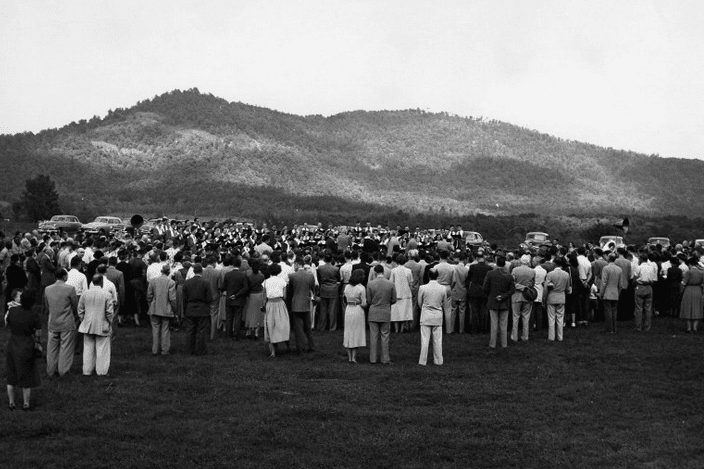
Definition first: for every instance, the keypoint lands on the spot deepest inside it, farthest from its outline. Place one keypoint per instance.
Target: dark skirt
(22, 367)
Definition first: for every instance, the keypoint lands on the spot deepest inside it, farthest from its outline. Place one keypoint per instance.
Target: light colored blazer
(95, 310)
(161, 296)
(557, 282)
(611, 282)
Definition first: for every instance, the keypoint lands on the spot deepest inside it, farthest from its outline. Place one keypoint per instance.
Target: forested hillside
(190, 153)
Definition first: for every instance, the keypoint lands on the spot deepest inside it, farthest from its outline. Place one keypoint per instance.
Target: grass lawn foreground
(596, 400)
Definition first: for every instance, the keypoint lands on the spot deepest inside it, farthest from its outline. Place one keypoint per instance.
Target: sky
(621, 74)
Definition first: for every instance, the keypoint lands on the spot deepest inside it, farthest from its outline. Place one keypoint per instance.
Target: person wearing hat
(524, 277)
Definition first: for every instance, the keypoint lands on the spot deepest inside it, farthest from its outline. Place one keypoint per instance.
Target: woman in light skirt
(355, 297)
(277, 327)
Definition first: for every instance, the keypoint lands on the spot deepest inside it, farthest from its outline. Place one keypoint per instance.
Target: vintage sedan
(654, 241)
(611, 242)
(473, 240)
(104, 225)
(536, 239)
(61, 223)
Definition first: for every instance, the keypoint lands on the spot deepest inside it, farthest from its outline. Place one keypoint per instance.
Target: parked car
(473, 240)
(104, 225)
(699, 243)
(536, 239)
(611, 242)
(654, 241)
(67, 223)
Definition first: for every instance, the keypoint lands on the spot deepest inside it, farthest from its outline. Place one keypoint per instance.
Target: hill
(190, 153)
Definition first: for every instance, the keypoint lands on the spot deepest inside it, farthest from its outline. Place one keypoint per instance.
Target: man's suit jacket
(212, 276)
(301, 285)
(611, 282)
(417, 271)
(381, 294)
(557, 282)
(197, 297)
(161, 296)
(523, 277)
(329, 280)
(46, 265)
(235, 284)
(95, 310)
(118, 278)
(475, 277)
(498, 282)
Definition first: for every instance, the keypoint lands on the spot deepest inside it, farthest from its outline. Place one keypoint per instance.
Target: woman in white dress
(402, 310)
(355, 325)
(277, 327)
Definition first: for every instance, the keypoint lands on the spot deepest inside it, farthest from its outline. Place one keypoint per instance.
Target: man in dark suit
(47, 268)
(478, 312)
(197, 298)
(329, 279)
(381, 294)
(301, 286)
(498, 288)
(235, 286)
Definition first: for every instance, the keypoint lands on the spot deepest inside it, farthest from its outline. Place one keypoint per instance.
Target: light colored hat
(525, 259)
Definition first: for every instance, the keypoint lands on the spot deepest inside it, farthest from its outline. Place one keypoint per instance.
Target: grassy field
(629, 400)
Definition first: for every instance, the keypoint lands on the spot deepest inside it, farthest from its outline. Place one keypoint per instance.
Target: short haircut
(197, 268)
(433, 274)
(379, 269)
(60, 272)
(75, 261)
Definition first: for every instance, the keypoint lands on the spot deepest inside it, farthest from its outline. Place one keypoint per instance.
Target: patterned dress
(355, 324)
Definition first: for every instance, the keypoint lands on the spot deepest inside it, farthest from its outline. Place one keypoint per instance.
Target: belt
(354, 303)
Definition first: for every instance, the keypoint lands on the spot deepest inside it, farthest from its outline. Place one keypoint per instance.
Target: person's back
(381, 294)
(61, 303)
(197, 297)
(301, 284)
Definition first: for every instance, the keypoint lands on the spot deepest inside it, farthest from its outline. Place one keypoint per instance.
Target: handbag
(530, 294)
(38, 351)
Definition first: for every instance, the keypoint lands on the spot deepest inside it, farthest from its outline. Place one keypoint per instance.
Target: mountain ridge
(411, 161)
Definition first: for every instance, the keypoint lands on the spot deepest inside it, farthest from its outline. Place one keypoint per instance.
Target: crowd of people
(237, 281)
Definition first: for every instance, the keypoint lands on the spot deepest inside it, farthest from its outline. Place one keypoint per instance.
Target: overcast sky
(622, 74)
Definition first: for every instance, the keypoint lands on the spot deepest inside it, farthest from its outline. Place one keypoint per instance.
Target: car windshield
(473, 236)
(537, 236)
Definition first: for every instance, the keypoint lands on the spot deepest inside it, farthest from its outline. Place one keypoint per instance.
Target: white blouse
(274, 287)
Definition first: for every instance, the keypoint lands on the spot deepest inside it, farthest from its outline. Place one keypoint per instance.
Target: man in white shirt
(645, 275)
(584, 267)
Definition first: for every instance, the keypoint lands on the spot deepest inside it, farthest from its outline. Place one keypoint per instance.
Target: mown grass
(629, 400)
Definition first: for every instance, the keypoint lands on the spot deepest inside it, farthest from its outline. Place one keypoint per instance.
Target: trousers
(214, 318)
(556, 321)
(196, 334)
(521, 309)
(610, 314)
(161, 335)
(60, 347)
(459, 311)
(301, 328)
(499, 327)
(379, 334)
(425, 334)
(96, 354)
(644, 306)
(233, 321)
(328, 313)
